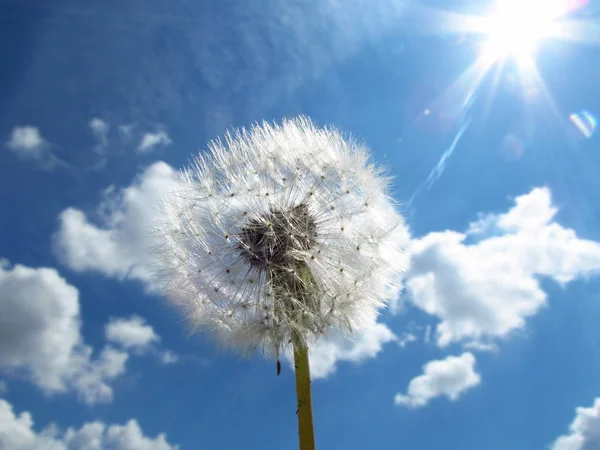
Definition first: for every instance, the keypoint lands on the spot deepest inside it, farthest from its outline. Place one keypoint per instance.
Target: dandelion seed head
(279, 232)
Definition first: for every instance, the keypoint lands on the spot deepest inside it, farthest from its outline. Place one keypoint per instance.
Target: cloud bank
(16, 432)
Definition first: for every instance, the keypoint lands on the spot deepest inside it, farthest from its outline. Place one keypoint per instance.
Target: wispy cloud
(100, 128)
(168, 357)
(406, 339)
(126, 131)
(366, 344)
(150, 141)
(27, 140)
(119, 140)
(27, 143)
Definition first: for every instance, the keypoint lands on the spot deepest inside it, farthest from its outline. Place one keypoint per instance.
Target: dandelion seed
(285, 244)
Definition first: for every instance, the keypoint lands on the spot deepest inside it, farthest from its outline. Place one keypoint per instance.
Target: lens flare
(585, 122)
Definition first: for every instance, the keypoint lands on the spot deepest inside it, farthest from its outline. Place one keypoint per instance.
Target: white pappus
(277, 233)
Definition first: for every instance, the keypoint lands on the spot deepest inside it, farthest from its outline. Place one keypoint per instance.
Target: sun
(515, 28)
(510, 31)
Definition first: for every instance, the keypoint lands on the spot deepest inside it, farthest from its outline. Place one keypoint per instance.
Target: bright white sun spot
(515, 28)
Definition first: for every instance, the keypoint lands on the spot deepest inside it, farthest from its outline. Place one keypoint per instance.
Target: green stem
(301, 285)
(306, 431)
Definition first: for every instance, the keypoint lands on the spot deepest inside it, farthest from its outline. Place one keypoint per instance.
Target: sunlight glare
(516, 27)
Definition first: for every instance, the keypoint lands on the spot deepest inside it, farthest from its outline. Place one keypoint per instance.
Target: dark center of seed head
(267, 241)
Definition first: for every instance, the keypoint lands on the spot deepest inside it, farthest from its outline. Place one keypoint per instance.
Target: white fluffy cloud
(28, 144)
(152, 140)
(17, 433)
(450, 377)
(486, 288)
(584, 432)
(40, 336)
(133, 333)
(89, 378)
(325, 356)
(118, 245)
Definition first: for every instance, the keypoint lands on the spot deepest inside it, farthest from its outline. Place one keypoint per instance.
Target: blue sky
(494, 341)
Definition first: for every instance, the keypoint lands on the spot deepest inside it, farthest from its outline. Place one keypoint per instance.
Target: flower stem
(306, 431)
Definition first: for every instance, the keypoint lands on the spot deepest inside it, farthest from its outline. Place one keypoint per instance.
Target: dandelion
(276, 236)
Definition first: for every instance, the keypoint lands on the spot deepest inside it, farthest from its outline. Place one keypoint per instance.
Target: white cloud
(405, 339)
(151, 140)
(450, 377)
(366, 344)
(17, 433)
(125, 131)
(40, 336)
(100, 128)
(28, 144)
(119, 245)
(133, 333)
(168, 357)
(584, 431)
(480, 346)
(531, 212)
(484, 290)
(27, 141)
(3, 387)
(89, 378)
(427, 335)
